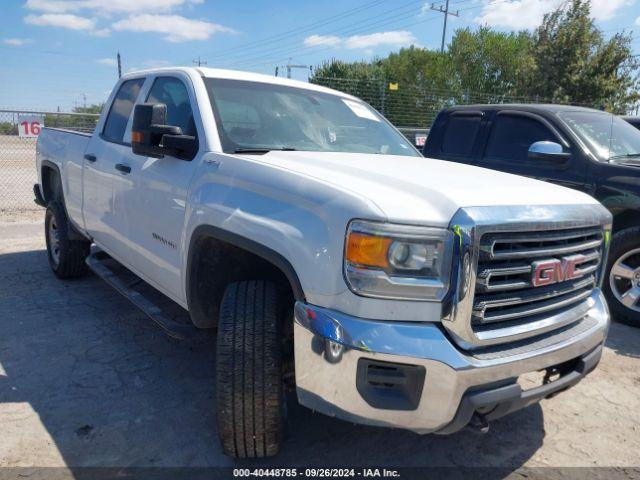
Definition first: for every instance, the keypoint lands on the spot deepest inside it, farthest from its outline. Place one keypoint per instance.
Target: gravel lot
(86, 380)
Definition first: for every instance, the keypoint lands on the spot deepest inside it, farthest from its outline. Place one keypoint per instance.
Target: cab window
(460, 134)
(512, 135)
(173, 93)
(116, 122)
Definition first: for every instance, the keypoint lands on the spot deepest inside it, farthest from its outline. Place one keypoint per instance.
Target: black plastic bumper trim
(390, 386)
(501, 401)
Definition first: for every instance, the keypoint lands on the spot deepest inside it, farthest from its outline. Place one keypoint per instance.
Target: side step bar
(174, 329)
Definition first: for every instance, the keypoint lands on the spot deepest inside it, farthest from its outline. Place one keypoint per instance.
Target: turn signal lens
(369, 250)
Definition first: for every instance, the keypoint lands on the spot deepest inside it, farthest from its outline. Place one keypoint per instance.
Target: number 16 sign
(29, 126)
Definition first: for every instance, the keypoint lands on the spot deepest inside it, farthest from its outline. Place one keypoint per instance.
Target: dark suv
(580, 148)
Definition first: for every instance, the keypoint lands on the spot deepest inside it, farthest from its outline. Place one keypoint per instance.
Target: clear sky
(55, 52)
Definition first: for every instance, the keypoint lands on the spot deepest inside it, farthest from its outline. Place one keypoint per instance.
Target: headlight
(397, 261)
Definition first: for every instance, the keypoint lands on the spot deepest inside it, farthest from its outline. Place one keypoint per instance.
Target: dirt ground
(86, 380)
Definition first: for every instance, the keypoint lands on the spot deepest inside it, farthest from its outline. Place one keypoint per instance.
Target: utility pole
(199, 62)
(446, 12)
(119, 66)
(289, 66)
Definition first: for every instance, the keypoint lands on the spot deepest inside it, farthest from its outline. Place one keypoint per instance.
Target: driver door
(157, 204)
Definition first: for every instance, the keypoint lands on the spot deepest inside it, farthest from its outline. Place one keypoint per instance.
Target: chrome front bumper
(329, 346)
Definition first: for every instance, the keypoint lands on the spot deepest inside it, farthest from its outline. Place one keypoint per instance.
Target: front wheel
(622, 282)
(66, 256)
(249, 380)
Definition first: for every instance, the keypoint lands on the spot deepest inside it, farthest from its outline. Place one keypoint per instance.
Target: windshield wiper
(263, 150)
(626, 155)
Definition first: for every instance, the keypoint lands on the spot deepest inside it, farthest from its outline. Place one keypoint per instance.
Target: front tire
(66, 256)
(249, 385)
(622, 280)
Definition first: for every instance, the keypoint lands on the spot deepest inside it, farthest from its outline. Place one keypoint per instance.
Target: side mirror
(550, 151)
(152, 137)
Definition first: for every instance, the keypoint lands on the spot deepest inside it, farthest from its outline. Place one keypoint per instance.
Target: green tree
(421, 76)
(94, 108)
(84, 123)
(566, 60)
(424, 78)
(573, 63)
(476, 61)
(361, 79)
(490, 62)
(8, 128)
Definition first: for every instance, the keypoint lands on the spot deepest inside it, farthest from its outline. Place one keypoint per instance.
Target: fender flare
(74, 233)
(250, 246)
(53, 166)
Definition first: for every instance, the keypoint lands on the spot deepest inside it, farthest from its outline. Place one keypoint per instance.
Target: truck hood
(418, 189)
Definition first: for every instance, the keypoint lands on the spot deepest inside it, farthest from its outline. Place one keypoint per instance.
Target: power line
(314, 50)
(289, 50)
(355, 28)
(275, 38)
(405, 10)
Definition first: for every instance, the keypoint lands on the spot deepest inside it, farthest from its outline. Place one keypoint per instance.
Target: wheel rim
(54, 241)
(625, 279)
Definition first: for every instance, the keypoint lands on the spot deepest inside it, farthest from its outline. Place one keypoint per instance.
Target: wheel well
(626, 219)
(51, 184)
(214, 263)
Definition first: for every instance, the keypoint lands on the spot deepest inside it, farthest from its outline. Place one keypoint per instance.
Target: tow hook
(479, 423)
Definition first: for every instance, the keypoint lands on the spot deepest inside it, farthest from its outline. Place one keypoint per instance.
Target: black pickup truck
(580, 148)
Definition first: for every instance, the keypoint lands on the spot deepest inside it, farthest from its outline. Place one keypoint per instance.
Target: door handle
(90, 158)
(123, 168)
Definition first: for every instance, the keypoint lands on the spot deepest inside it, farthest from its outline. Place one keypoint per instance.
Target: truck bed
(64, 150)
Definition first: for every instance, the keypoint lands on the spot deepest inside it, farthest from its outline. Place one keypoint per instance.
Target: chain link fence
(18, 136)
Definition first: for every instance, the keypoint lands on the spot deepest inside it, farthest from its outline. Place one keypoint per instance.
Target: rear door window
(460, 134)
(120, 110)
(512, 135)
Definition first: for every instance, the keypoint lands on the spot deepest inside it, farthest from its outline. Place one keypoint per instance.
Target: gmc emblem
(548, 272)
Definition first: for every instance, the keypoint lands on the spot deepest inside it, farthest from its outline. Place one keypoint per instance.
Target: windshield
(608, 136)
(254, 116)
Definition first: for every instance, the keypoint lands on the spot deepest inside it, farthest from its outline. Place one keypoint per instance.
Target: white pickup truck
(332, 258)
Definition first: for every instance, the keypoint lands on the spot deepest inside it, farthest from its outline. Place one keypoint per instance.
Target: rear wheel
(66, 256)
(249, 380)
(622, 283)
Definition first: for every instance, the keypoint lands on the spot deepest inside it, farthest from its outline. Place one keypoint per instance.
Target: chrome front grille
(507, 264)
(525, 272)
